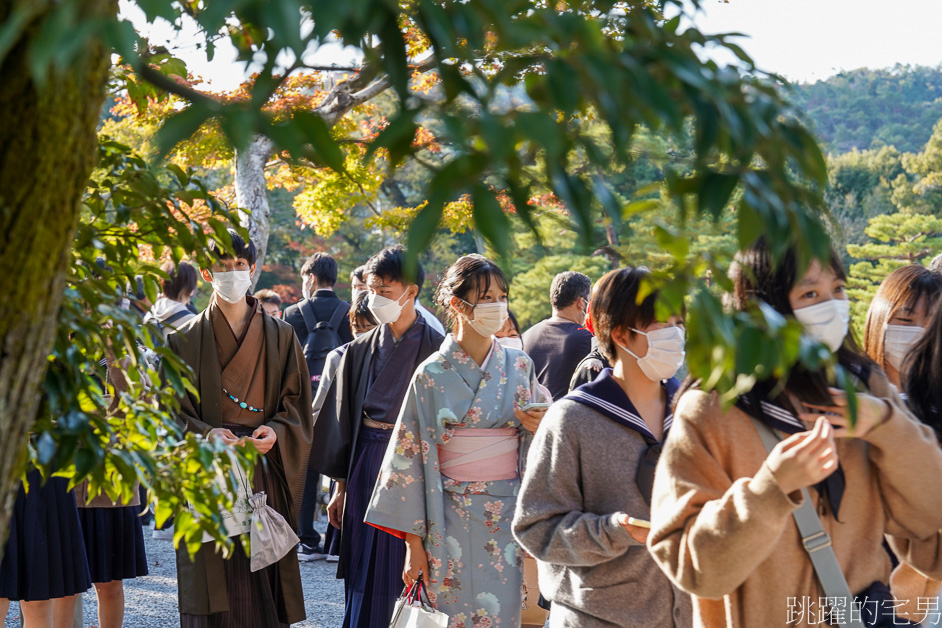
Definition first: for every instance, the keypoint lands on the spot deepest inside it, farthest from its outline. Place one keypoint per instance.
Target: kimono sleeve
(399, 501)
(292, 421)
(187, 414)
(537, 393)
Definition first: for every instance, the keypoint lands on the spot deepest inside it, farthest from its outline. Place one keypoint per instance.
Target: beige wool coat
(723, 530)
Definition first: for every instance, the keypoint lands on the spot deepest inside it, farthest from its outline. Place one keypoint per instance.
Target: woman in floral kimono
(449, 481)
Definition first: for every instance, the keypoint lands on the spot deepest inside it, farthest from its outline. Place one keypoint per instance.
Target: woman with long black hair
(723, 509)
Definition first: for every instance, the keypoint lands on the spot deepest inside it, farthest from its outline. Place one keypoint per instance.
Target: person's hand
(264, 438)
(416, 561)
(530, 419)
(871, 413)
(335, 505)
(637, 533)
(804, 459)
(225, 435)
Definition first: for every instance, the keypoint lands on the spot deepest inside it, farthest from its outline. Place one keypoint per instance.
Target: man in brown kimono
(253, 388)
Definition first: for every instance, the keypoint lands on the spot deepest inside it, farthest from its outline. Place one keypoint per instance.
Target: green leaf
(174, 67)
(490, 219)
(422, 230)
(316, 132)
(180, 126)
(715, 191)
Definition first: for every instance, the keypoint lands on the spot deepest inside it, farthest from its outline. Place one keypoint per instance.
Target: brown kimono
(279, 383)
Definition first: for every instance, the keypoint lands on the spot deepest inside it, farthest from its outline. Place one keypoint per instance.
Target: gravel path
(151, 602)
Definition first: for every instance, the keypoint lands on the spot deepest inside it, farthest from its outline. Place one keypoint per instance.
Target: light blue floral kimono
(476, 566)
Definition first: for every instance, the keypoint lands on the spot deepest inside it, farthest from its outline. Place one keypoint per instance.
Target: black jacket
(338, 422)
(337, 425)
(325, 302)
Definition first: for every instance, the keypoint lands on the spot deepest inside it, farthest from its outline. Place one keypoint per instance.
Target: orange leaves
(490, 41)
(547, 201)
(417, 43)
(226, 195)
(427, 140)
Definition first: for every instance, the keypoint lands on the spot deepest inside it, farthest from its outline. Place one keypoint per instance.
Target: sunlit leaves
(519, 78)
(134, 215)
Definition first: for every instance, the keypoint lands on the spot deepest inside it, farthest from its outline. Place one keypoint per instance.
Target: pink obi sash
(480, 454)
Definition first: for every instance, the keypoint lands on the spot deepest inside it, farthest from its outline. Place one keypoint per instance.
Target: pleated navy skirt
(44, 557)
(372, 559)
(332, 536)
(114, 542)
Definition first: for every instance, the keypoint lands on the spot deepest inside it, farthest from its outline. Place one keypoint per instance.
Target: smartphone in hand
(534, 406)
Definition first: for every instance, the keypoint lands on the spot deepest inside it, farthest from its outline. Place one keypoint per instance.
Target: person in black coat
(320, 305)
(318, 276)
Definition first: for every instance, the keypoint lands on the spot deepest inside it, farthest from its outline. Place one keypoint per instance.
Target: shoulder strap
(339, 315)
(816, 541)
(173, 319)
(307, 311)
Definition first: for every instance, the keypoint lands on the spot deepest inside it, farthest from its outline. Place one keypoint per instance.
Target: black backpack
(322, 337)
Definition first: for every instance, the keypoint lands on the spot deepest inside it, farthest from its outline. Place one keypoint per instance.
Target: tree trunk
(48, 140)
(479, 244)
(252, 196)
(612, 237)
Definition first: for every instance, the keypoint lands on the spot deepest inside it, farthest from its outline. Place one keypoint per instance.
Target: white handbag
(239, 519)
(272, 537)
(412, 612)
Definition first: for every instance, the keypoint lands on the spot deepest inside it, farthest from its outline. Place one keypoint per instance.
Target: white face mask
(354, 294)
(386, 310)
(511, 343)
(232, 286)
(489, 318)
(665, 352)
(826, 322)
(898, 341)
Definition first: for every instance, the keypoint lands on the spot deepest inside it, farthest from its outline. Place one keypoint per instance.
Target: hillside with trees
(870, 109)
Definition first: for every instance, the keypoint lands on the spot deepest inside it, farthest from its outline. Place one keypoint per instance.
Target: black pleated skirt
(114, 542)
(45, 556)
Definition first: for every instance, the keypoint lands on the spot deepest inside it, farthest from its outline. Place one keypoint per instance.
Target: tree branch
(170, 86)
(346, 95)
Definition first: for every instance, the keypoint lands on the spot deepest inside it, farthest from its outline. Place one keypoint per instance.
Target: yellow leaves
(423, 82)
(226, 195)
(417, 43)
(456, 217)
(326, 203)
(289, 176)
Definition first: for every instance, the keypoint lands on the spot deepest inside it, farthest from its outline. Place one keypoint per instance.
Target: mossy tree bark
(47, 151)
